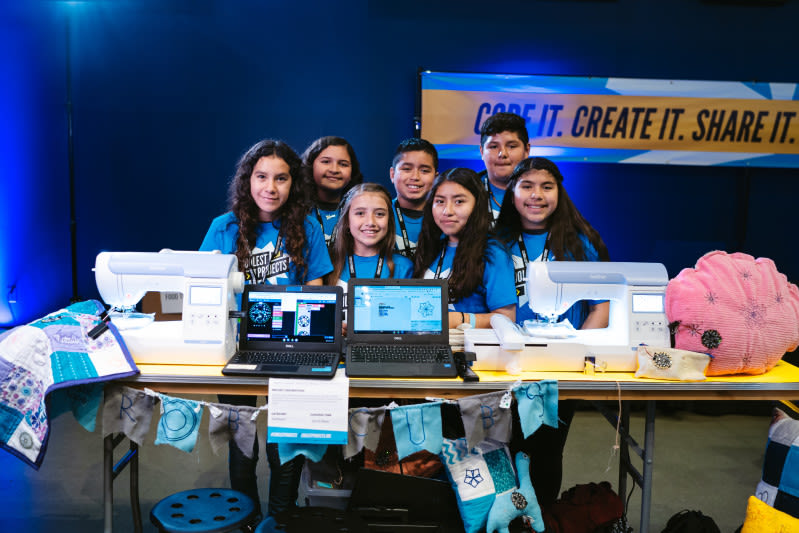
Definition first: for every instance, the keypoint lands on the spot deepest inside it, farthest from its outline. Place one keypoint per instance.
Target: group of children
(312, 220)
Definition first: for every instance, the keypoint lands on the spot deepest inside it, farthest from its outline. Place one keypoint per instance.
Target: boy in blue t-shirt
(412, 172)
(504, 143)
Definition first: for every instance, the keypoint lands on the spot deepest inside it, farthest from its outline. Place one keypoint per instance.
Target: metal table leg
(110, 473)
(647, 454)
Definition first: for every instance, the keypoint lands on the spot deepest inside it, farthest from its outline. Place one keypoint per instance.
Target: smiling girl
(454, 243)
(364, 238)
(539, 222)
(268, 230)
(332, 163)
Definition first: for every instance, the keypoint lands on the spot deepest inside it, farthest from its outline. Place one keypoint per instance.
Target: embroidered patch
(711, 339)
(661, 360)
(518, 500)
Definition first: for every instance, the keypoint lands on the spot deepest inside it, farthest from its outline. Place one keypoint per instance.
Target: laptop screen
(397, 307)
(280, 314)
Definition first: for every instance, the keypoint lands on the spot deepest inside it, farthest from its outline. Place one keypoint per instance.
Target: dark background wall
(166, 95)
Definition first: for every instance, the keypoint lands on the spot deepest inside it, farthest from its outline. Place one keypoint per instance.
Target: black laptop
(398, 328)
(289, 331)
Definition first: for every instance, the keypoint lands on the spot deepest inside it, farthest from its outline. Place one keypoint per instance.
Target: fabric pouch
(671, 363)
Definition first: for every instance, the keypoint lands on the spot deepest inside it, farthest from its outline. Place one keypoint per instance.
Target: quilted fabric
(738, 309)
(779, 485)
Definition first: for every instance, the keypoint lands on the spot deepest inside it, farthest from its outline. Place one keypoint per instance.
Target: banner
(620, 120)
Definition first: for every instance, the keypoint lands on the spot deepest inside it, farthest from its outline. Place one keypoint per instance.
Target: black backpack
(691, 522)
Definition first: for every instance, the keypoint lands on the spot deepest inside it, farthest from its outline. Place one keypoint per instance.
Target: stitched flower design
(754, 314)
(473, 477)
(711, 339)
(711, 297)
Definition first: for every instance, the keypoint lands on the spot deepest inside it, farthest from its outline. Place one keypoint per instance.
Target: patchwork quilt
(48, 355)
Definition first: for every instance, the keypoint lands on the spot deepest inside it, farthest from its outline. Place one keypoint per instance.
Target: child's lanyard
(523, 251)
(491, 198)
(378, 270)
(321, 223)
(521, 273)
(407, 252)
(441, 261)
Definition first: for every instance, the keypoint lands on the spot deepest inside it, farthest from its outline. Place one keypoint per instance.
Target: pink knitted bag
(738, 309)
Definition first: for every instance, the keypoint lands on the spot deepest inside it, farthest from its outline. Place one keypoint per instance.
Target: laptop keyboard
(399, 353)
(285, 358)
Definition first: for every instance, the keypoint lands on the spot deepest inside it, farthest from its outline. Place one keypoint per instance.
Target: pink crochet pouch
(738, 309)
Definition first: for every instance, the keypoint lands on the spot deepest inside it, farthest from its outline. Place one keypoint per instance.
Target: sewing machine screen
(648, 303)
(205, 295)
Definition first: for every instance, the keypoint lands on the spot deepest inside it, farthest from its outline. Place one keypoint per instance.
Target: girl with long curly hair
(455, 243)
(268, 230)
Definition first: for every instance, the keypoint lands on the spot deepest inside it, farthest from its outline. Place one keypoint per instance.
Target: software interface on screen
(291, 317)
(396, 309)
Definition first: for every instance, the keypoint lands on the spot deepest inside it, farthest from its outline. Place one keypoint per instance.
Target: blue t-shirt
(366, 267)
(262, 267)
(534, 243)
(497, 289)
(413, 226)
(495, 195)
(327, 216)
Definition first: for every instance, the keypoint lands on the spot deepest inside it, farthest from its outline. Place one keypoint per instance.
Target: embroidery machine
(208, 281)
(636, 292)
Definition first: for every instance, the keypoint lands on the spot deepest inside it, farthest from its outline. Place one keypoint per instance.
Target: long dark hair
(468, 265)
(565, 224)
(292, 213)
(312, 152)
(343, 243)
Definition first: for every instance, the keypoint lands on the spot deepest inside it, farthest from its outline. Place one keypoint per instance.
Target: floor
(709, 462)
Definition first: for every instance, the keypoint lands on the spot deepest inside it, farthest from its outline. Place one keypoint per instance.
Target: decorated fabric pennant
(484, 418)
(180, 422)
(417, 427)
(364, 429)
(82, 400)
(128, 411)
(234, 422)
(288, 451)
(538, 404)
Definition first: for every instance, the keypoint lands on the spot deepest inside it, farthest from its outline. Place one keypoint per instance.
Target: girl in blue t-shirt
(539, 222)
(363, 239)
(332, 164)
(268, 230)
(455, 243)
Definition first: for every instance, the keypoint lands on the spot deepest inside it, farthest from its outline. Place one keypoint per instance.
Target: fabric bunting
(538, 404)
(232, 422)
(128, 411)
(417, 427)
(82, 400)
(364, 429)
(180, 422)
(483, 418)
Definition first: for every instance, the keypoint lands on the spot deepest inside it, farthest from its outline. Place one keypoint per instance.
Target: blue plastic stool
(203, 511)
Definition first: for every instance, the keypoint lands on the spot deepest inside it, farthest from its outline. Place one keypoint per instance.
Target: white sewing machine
(206, 335)
(636, 292)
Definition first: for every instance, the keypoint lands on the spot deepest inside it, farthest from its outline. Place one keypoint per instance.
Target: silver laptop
(398, 328)
(289, 331)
